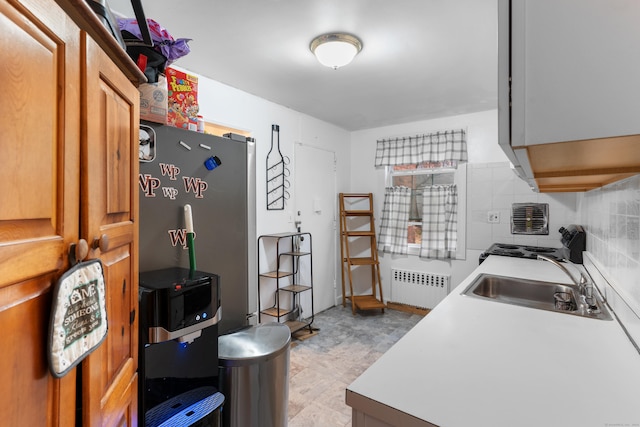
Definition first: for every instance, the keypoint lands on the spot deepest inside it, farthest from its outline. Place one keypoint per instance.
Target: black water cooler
(178, 349)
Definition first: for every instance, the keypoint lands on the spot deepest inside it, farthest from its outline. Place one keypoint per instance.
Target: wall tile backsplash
(611, 217)
(494, 187)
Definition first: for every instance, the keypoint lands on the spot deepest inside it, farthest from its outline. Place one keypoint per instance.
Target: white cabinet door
(575, 70)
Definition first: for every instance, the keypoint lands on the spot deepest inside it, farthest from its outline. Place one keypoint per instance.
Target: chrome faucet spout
(585, 287)
(579, 283)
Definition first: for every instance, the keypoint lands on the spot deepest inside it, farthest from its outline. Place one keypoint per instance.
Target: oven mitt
(78, 323)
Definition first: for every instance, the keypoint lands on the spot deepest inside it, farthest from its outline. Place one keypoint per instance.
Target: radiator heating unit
(417, 288)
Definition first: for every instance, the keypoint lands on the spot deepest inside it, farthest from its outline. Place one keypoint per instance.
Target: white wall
(227, 106)
(495, 187)
(234, 108)
(491, 185)
(610, 214)
(482, 141)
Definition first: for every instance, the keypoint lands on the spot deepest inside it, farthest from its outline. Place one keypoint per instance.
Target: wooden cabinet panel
(39, 193)
(123, 412)
(109, 208)
(38, 183)
(68, 140)
(120, 345)
(23, 341)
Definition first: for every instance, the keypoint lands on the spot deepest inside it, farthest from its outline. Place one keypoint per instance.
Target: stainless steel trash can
(254, 376)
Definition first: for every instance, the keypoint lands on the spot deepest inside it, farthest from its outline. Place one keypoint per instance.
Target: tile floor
(322, 366)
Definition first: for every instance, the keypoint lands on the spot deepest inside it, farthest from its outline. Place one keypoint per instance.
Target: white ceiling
(421, 59)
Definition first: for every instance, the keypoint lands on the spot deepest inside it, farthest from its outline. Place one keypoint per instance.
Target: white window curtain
(440, 203)
(439, 222)
(448, 146)
(395, 219)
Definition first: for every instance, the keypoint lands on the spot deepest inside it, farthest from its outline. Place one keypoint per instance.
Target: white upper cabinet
(571, 71)
(575, 69)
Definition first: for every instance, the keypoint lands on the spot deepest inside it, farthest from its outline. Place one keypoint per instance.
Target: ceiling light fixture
(335, 50)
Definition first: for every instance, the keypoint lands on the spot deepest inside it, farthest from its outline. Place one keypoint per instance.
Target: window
(423, 210)
(418, 176)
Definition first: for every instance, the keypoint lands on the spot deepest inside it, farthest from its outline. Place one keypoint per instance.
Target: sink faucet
(583, 284)
(579, 283)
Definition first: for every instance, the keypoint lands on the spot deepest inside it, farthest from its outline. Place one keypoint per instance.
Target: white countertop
(473, 362)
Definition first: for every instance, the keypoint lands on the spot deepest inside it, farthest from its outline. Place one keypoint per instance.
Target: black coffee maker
(178, 348)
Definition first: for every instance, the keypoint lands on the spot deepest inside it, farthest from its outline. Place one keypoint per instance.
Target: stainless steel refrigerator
(216, 176)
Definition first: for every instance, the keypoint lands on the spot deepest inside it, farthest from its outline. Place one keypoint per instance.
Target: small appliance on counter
(178, 357)
(573, 239)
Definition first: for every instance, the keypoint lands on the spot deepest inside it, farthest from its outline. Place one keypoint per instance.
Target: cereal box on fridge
(182, 96)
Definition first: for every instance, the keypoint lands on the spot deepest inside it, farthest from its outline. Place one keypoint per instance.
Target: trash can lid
(253, 343)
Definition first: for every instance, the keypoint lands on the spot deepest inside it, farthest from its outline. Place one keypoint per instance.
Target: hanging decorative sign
(277, 172)
(78, 322)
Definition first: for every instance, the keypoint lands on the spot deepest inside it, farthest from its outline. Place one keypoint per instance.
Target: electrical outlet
(493, 217)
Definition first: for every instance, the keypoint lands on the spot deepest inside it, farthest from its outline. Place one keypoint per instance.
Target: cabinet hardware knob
(78, 251)
(101, 242)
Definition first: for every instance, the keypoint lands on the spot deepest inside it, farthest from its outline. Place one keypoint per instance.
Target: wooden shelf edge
(355, 195)
(285, 234)
(358, 233)
(297, 325)
(295, 288)
(361, 261)
(275, 312)
(367, 302)
(357, 213)
(276, 274)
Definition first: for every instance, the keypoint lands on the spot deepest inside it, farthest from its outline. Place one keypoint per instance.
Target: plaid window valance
(449, 146)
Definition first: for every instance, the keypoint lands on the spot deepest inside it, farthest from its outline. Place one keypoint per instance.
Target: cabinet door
(109, 207)
(39, 148)
(575, 70)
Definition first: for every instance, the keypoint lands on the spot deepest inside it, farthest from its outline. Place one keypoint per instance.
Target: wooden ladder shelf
(357, 227)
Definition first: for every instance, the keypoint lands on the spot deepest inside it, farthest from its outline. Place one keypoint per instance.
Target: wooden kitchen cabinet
(39, 203)
(569, 87)
(109, 206)
(68, 141)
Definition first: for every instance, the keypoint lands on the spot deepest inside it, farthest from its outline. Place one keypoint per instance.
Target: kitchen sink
(549, 296)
